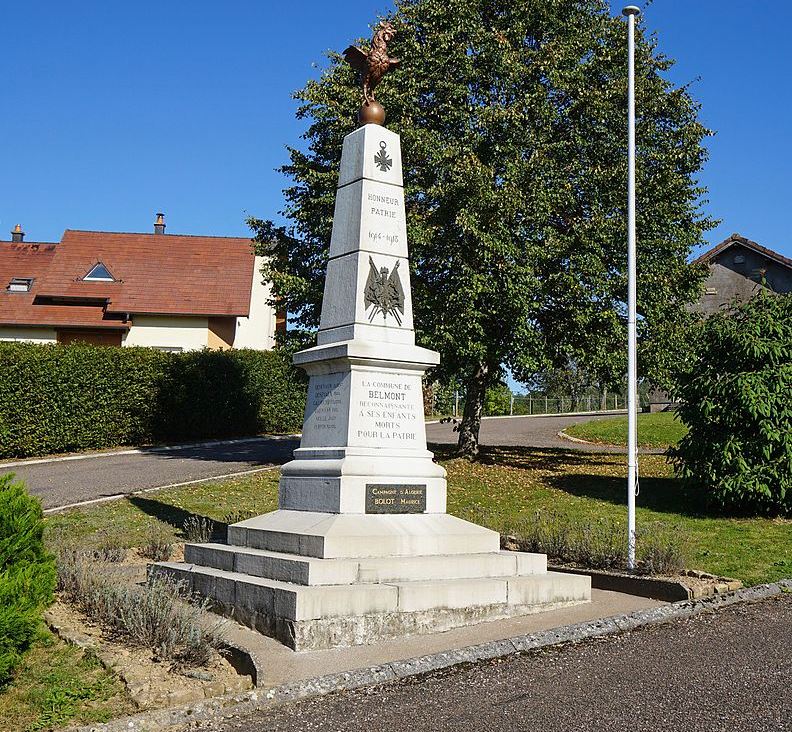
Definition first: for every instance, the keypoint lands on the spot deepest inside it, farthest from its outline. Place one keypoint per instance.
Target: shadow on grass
(547, 458)
(667, 495)
(176, 516)
(562, 468)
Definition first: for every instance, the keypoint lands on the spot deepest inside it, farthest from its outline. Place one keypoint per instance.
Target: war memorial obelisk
(361, 547)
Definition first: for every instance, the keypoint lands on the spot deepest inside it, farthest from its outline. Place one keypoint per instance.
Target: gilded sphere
(371, 113)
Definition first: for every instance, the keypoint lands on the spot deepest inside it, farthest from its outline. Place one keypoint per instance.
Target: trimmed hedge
(60, 398)
(27, 573)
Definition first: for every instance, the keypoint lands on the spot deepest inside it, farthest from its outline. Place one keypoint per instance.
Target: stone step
(312, 571)
(248, 596)
(337, 536)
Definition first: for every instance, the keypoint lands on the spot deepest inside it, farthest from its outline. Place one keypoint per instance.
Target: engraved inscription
(384, 206)
(382, 218)
(324, 404)
(390, 498)
(388, 410)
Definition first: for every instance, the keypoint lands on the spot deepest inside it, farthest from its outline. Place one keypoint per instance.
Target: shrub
(160, 615)
(158, 546)
(736, 399)
(234, 517)
(77, 396)
(661, 549)
(198, 529)
(601, 545)
(497, 400)
(546, 532)
(27, 573)
(110, 548)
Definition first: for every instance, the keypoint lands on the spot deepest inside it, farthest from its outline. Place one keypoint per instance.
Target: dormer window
(99, 273)
(20, 284)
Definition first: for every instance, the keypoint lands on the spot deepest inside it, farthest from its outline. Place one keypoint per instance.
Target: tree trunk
(604, 399)
(468, 445)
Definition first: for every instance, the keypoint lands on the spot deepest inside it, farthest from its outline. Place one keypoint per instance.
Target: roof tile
(167, 274)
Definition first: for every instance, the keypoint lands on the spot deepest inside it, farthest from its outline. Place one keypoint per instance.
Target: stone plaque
(395, 498)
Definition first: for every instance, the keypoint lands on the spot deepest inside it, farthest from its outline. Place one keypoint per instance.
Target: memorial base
(315, 580)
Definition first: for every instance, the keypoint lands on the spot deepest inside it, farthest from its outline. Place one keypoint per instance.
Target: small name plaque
(394, 498)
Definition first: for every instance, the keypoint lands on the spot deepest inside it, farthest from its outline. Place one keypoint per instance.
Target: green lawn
(510, 484)
(57, 684)
(128, 520)
(654, 430)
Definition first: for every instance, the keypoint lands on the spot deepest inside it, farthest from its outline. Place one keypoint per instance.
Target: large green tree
(512, 117)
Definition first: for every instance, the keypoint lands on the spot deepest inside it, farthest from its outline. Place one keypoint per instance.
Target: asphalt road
(65, 482)
(536, 431)
(730, 671)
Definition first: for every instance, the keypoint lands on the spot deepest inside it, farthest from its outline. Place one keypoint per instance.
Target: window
(20, 284)
(99, 273)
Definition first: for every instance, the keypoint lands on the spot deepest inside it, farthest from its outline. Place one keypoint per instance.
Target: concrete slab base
(331, 616)
(350, 535)
(351, 594)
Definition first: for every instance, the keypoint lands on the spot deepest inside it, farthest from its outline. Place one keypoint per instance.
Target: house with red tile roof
(167, 291)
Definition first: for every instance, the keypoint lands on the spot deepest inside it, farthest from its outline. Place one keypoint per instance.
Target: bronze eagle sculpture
(372, 66)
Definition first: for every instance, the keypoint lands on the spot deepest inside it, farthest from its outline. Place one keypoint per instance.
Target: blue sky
(114, 111)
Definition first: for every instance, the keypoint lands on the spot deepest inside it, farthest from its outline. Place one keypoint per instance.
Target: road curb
(248, 702)
(608, 449)
(656, 588)
(154, 489)
(564, 436)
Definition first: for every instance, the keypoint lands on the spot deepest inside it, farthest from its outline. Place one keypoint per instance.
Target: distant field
(654, 430)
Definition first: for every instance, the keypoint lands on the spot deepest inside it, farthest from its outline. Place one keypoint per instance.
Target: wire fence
(538, 404)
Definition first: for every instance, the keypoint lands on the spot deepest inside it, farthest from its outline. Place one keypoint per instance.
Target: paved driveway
(535, 431)
(65, 482)
(725, 672)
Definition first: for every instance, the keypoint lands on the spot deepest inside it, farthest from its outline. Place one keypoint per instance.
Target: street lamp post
(631, 11)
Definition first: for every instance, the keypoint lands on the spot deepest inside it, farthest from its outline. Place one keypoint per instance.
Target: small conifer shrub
(27, 573)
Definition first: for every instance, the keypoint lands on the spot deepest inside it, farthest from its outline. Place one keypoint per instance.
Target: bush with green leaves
(27, 573)
(498, 400)
(736, 400)
(75, 397)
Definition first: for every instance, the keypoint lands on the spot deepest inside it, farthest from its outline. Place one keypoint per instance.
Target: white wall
(33, 335)
(258, 330)
(168, 331)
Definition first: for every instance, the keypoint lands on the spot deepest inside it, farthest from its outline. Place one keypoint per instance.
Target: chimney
(159, 224)
(17, 235)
